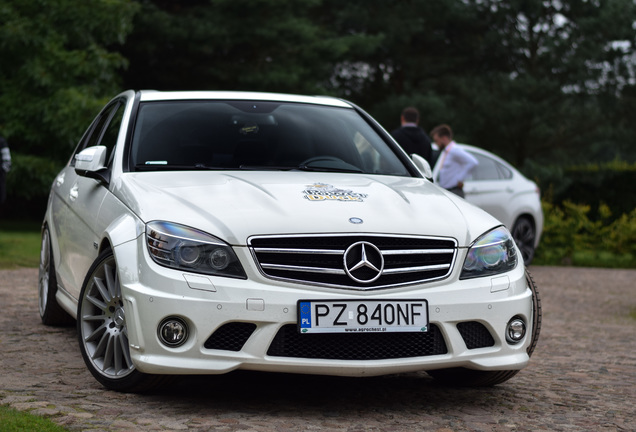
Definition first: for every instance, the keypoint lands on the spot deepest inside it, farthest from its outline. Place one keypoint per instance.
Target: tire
(102, 330)
(463, 377)
(51, 313)
(525, 234)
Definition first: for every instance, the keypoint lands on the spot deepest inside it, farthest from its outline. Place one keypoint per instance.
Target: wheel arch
(121, 230)
(121, 237)
(105, 245)
(55, 250)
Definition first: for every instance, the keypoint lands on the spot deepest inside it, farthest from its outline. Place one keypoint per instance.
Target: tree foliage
(266, 45)
(57, 67)
(535, 81)
(528, 79)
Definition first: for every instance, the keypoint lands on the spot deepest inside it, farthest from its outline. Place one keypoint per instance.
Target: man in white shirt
(455, 163)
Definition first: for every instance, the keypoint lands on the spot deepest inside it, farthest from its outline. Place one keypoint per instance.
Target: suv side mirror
(423, 166)
(91, 163)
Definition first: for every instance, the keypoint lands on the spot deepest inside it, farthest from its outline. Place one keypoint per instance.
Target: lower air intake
(230, 337)
(356, 346)
(475, 335)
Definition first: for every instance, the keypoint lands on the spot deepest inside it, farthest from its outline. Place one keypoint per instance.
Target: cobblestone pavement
(582, 377)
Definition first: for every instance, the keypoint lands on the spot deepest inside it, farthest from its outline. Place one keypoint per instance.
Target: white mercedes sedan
(204, 232)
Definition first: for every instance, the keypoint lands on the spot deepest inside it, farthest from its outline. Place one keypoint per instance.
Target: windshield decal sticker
(249, 129)
(327, 192)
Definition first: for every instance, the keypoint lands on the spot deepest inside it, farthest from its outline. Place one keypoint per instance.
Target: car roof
(153, 95)
(486, 153)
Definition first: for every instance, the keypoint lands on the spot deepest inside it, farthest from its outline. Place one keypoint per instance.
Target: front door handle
(74, 193)
(59, 180)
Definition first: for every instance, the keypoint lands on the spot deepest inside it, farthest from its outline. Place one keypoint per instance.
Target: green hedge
(590, 214)
(570, 237)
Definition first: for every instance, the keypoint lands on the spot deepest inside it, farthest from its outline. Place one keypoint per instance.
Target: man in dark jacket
(411, 137)
(5, 166)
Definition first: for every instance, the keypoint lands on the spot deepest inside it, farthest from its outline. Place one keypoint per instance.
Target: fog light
(173, 332)
(516, 330)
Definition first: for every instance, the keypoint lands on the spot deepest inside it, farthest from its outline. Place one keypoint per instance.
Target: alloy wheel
(102, 323)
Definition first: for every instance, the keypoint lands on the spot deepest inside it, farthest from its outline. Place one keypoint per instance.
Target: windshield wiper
(266, 168)
(328, 169)
(299, 168)
(176, 167)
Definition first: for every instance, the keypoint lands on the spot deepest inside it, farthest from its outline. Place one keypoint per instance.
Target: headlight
(183, 248)
(492, 253)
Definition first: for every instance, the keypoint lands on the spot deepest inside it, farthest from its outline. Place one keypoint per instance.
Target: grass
(17, 421)
(19, 244)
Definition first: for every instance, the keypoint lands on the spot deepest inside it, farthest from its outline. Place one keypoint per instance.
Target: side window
(109, 139)
(486, 170)
(95, 130)
(504, 172)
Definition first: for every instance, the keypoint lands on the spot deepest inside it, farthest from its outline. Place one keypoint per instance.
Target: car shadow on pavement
(331, 393)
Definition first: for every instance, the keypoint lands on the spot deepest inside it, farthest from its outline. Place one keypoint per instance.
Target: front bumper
(246, 316)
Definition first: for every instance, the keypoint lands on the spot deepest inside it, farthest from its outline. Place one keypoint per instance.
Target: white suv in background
(497, 187)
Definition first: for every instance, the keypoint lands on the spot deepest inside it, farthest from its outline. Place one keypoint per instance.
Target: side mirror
(91, 163)
(423, 166)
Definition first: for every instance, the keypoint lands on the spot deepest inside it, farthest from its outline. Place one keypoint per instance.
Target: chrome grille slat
(416, 269)
(299, 251)
(416, 251)
(303, 269)
(320, 259)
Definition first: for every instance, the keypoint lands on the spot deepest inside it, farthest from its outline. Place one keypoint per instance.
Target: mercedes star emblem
(363, 262)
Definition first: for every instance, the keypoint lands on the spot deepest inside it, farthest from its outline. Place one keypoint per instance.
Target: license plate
(356, 316)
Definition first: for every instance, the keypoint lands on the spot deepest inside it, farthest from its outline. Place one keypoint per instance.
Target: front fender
(123, 225)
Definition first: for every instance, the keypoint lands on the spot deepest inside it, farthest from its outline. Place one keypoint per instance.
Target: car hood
(235, 205)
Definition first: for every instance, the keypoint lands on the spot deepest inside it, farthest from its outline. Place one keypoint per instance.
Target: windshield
(255, 135)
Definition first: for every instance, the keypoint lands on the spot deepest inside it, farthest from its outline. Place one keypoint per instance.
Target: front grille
(321, 260)
(356, 346)
(475, 335)
(230, 336)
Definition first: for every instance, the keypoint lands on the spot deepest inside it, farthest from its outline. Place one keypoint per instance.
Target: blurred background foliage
(570, 237)
(549, 85)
